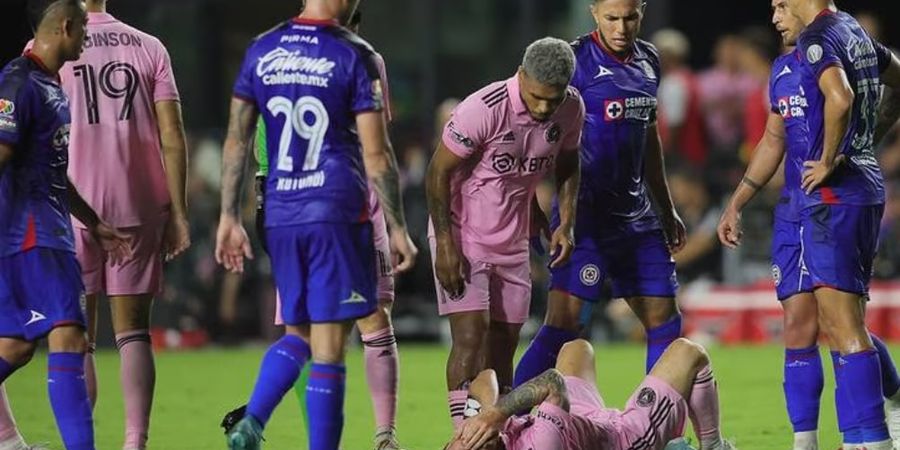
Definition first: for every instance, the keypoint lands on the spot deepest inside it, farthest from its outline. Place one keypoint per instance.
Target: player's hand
(232, 244)
(177, 237)
(451, 268)
(403, 250)
(676, 233)
(116, 244)
(478, 431)
(562, 244)
(729, 228)
(815, 173)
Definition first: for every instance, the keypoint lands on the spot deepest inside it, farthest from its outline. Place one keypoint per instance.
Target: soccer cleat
(386, 440)
(679, 444)
(233, 417)
(245, 435)
(892, 417)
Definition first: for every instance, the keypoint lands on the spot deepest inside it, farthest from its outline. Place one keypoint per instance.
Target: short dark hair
(39, 10)
(355, 19)
(762, 40)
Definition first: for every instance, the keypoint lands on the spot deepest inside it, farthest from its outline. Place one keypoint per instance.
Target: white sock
(712, 443)
(15, 443)
(883, 445)
(806, 440)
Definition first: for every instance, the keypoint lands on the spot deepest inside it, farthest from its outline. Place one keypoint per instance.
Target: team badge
(503, 162)
(553, 133)
(776, 274)
(7, 107)
(814, 53)
(784, 107)
(378, 94)
(613, 110)
(590, 275)
(646, 398)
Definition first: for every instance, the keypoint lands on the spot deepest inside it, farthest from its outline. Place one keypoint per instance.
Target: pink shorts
(654, 415)
(142, 274)
(503, 290)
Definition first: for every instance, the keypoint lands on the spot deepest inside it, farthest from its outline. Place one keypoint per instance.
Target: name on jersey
(281, 66)
(862, 53)
(504, 163)
(112, 39)
(792, 106)
(556, 421)
(313, 180)
(633, 108)
(301, 39)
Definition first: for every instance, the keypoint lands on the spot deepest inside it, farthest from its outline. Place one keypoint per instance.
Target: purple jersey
(309, 79)
(34, 121)
(620, 103)
(788, 99)
(837, 40)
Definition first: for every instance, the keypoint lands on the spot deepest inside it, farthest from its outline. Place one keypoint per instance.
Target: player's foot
(892, 417)
(386, 439)
(233, 417)
(679, 444)
(19, 444)
(245, 435)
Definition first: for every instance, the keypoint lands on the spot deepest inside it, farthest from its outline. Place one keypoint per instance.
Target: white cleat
(386, 440)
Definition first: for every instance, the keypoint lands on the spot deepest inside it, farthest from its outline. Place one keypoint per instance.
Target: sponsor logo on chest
(281, 66)
(631, 108)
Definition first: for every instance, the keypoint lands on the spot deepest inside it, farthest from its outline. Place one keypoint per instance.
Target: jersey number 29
(295, 122)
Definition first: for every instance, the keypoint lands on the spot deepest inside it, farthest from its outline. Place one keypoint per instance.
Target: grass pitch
(194, 390)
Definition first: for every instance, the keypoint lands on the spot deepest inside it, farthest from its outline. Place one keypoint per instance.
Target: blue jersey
(837, 40)
(620, 104)
(34, 121)
(788, 99)
(309, 80)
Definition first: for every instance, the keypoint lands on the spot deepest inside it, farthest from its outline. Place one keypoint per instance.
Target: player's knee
(578, 348)
(657, 313)
(18, 353)
(689, 351)
(800, 330)
(68, 339)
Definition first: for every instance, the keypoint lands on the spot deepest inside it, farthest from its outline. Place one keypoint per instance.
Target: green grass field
(194, 390)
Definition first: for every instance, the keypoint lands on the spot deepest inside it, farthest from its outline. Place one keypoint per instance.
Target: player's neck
(95, 6)
(46, 56)
(319, 12)
(814, 9)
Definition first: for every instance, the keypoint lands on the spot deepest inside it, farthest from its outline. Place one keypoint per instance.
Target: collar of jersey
(99, 17)
(305, 21)
(40, 63)
(515, 98)
(595, 36)
(824, 12)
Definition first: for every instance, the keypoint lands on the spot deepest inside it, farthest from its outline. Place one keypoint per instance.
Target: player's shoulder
(573, 102)
(646, 50)
(581, 43)
(15, 77)
(489, 97)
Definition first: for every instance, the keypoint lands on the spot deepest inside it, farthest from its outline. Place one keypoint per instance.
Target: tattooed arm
(448, 264)
(890, 104)
(232, 243)
(381, 168)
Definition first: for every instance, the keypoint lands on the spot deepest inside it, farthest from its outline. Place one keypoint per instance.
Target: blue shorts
(40, 289)
(839, 245)
(324, 272)
(639, 265)
(791, 278)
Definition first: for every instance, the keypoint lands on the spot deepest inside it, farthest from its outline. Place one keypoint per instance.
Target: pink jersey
(507, 154)
(552, 428)
(115, 159)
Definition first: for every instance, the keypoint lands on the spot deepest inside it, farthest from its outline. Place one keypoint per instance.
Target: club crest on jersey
(553, 133)
(776, 274)
(646, 398)
(614, 110)
(7, 107)
(814, 53)
(590, 275)
(61, 138)
(632, 108)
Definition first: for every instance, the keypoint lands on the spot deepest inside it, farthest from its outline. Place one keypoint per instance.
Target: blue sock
(69, 400)
(6, 369)
(890, 381)
(659, 338)
(541, 354)
(325, 404)
(846, 422)
(860, 375)
(803, 384)
(280, 368)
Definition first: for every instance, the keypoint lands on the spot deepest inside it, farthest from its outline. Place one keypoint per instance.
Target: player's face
(618, 23)
(787, 24)
(541, 99)
(73, 34)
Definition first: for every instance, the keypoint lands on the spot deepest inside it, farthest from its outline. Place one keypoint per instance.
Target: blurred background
(716, 58)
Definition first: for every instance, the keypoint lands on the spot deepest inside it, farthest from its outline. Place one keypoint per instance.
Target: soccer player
(618, 233)
(319, 85)
(841, 70)
(125, 104)
(571, 415)
(496, 148)
(786, 138)
(40, 279)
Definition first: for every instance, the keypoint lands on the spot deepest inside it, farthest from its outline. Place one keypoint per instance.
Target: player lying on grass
(571, 414)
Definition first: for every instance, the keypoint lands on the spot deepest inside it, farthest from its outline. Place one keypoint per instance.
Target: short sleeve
(818, 53)
(468, 128)
(243, 86)
(368, 93)
(884, 56)
(15, 110)
(164, 87)
(546, 431)
(572, 139)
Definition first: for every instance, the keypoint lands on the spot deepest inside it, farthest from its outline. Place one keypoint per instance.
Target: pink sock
(138, 378)
(457, 400)
(90, 374)
(8, 429)
(704, 408)
(382, 374)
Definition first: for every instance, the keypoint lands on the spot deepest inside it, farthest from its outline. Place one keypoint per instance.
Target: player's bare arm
(838, 106)
(449, 263)
(766, 159)
(6, 154)
(889, 110)
(548, 387)
(232, 243)
(174, 148)
(568, 178)
(381, 168)
(116, 244)
(655, 178)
